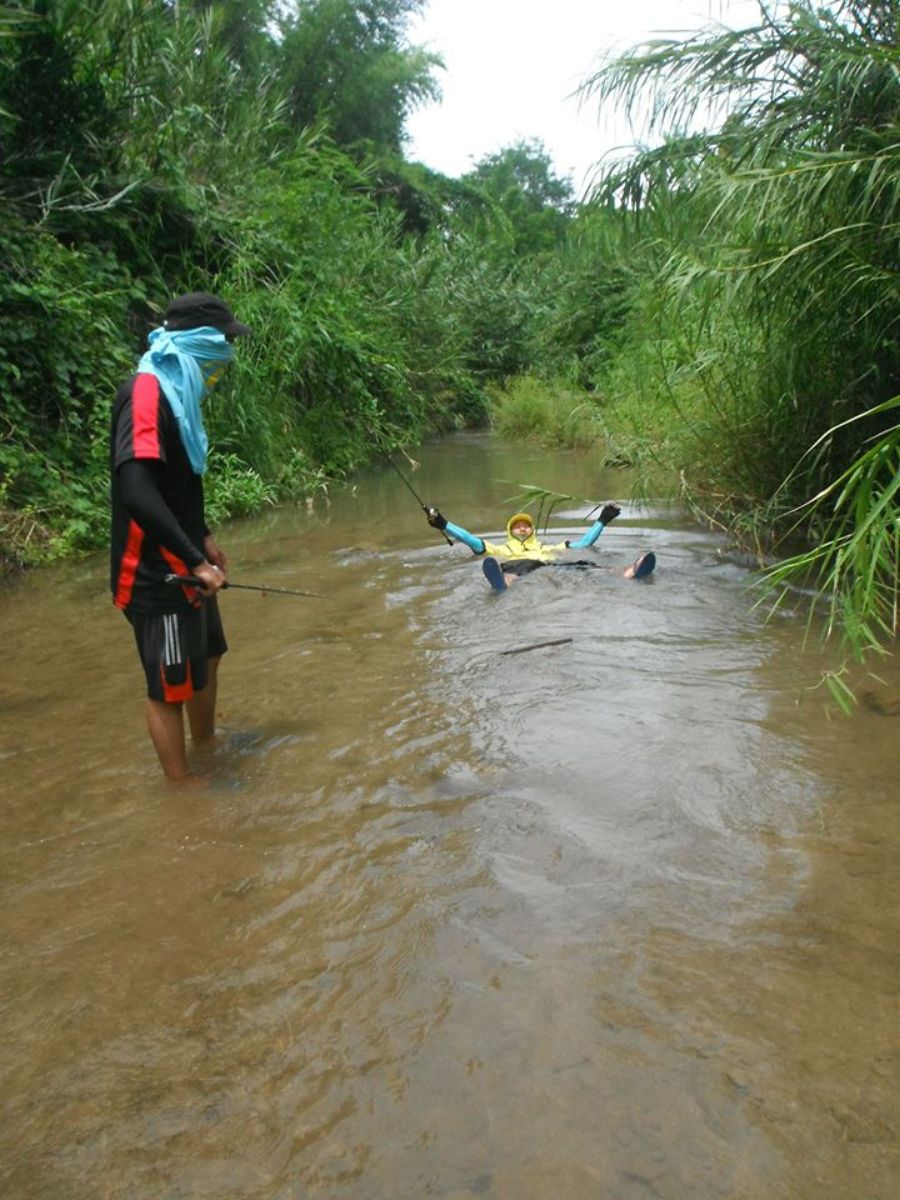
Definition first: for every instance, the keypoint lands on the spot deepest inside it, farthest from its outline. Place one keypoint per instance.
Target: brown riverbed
(612, 919)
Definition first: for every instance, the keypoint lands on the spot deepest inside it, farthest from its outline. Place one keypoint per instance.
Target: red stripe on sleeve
(131, 558)
(145, 417)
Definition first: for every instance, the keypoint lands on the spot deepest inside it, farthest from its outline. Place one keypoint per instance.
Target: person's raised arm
(438, 521)
(608, 513)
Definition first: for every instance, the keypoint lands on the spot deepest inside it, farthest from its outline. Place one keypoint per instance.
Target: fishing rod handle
(189, 581)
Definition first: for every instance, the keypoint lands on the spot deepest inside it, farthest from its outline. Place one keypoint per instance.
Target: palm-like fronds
(545, 501)
(856, 563)
(773, 237)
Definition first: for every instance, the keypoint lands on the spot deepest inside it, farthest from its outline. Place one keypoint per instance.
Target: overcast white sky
(511, 66)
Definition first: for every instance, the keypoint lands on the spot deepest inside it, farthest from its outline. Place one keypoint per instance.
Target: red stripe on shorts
(174, 693)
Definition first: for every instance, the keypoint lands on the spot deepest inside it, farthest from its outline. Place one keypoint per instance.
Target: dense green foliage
(346, 61)
(254, 150)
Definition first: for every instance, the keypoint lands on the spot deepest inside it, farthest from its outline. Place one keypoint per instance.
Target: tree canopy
(349, 64)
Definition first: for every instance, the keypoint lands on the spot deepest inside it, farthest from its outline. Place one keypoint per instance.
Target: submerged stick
(537, 646)
(884, 708)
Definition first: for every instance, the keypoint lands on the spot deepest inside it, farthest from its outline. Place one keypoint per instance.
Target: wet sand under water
(616, 918)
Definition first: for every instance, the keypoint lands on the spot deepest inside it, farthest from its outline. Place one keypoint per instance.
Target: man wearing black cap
(158, 449)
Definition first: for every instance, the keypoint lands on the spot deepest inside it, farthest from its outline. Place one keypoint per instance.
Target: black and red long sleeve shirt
(158, 521)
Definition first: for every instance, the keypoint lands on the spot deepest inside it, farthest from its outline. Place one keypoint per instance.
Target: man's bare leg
(201, 708)
(165, 723)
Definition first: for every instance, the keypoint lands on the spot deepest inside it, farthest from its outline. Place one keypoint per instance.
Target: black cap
(200, 308)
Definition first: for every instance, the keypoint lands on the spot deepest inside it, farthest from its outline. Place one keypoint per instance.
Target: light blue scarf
(179, 359)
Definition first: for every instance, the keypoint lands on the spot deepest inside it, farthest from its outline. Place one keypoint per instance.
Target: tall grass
(764, 337)
(856, 560)
(552, 413)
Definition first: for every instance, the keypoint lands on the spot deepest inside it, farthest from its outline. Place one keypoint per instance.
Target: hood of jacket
(530, 547)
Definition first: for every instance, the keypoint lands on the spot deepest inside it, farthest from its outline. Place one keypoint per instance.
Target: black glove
(436, 519)
(609, 512)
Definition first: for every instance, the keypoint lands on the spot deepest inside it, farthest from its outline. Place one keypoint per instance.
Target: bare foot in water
(190, 782)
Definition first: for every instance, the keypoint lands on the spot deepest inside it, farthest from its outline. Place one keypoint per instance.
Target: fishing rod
(193, 581)
(424, 507)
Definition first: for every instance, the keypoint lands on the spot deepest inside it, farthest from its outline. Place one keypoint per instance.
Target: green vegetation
(725, 307)
(534, 408)
(249, 149)
(764, 324)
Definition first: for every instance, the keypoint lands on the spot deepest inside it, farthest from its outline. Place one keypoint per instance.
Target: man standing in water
(158, 448)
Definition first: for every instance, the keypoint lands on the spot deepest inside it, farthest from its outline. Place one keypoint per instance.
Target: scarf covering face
(182, 360)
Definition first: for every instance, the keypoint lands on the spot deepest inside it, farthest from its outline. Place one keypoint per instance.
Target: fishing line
(421, 502)
(424, 507)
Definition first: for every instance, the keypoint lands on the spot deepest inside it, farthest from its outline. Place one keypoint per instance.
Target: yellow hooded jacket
(531, 548)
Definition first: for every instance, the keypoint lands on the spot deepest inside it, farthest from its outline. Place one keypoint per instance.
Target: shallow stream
(612, 919)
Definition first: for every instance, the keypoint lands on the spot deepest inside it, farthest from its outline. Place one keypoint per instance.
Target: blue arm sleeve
(474, 543)
(588, 538)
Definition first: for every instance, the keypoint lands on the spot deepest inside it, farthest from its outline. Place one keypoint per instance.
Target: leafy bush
(234, 490)
(551, 413)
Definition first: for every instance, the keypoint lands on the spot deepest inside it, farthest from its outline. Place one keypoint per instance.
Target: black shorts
(175, 649)
(520, 566)
(524, 566)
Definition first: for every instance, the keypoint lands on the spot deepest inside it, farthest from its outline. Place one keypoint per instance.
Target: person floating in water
(523, 552)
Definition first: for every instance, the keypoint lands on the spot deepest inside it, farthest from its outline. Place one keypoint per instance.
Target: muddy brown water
(612, 919)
